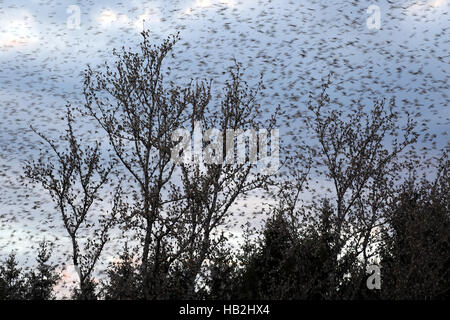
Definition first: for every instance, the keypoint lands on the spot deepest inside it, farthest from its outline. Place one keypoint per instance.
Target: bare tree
(209, 189)
(358, 150)
(74, 176)
(138, 111)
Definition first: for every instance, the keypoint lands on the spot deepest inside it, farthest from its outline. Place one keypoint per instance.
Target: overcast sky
(46, 45)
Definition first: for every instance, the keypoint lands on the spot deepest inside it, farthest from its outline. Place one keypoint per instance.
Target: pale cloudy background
(295, 43)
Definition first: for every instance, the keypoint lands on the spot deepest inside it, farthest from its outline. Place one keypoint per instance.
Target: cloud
(209, 3)
(68, 281)
(425, 5)
(17, 29)
(437, 3)
(108, 18)
(151, 15)
(202, 4)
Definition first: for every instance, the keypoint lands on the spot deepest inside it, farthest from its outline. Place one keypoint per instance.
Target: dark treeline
(320, 241)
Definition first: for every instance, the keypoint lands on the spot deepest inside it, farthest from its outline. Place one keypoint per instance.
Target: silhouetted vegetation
(378, 209)
(33, 284)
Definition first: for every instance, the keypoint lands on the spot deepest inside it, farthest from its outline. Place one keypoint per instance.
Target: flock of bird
(295, 43)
